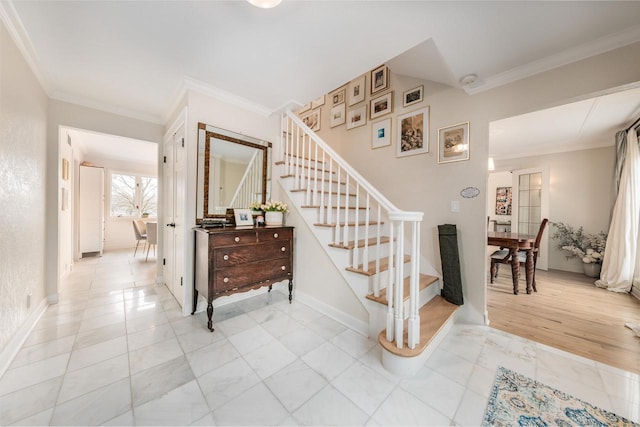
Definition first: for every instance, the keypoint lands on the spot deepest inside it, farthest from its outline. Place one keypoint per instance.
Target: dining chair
(152, 237)
(140, 236)
(503, 256)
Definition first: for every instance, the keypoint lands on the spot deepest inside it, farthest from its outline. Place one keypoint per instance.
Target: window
(133, 195)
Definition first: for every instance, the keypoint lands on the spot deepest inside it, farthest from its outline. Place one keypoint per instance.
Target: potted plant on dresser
(588, 247)
(274, 211)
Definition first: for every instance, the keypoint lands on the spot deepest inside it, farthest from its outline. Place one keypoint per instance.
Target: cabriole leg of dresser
(195, 301)
(210, 315)
(290, 290)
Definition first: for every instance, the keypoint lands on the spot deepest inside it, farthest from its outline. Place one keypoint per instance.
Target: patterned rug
(520, 401)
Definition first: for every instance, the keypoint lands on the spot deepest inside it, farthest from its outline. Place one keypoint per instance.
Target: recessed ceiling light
(265, 4)
(468, 79)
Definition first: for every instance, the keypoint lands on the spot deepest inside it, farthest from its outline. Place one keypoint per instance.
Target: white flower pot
(591, 269)
(273, 218)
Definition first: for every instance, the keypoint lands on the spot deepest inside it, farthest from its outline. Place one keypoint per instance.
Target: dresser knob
(283, 268)
(237, 239)
(275, 235)
(283, 249)
(226, 280)
(226, 257)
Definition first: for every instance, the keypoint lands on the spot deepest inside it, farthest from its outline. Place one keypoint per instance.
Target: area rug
(520, 401)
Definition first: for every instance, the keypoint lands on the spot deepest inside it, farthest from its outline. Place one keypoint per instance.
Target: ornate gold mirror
(233, 171)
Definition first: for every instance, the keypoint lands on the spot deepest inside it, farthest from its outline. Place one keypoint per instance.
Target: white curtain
(621, 264)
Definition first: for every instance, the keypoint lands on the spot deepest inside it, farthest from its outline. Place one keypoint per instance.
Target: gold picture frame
(453, 143)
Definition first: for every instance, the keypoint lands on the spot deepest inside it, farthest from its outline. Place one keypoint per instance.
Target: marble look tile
(197, 339)
(373, 359)
(265, 314)
(115, 307)
(304, 314)
(149, 320)
(212, 356)
(81, 381)
(471, 409)
(154, 382)
(97, 353)
(302, 341)
(329, 407)
(150, 336)
(96, 407)
(139, 293)
(235, 325)
(435, 390)
(353, 343)
(461, 346)
(38, 352)
(207, 420)
(226, 382)
(98, 335)
(627, 409)
(621, 386)
(187, 324)
(593, 395)
(33, 373)
(265, 409)
(180, 406)
(154, 354)
(250, 339)
(295, 384)
(102, 298)
(269, 358)
(29, 401)
(51, 332)
(494, 357)
(100, 321)
(481, 381)
(364, 387)
(328, 360)
(125, 419)
(554, 364)
(39, 419)
(282, 325)
(403, 409)
(451, 366)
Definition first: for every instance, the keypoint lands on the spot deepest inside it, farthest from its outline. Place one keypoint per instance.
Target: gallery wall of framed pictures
(398, 117)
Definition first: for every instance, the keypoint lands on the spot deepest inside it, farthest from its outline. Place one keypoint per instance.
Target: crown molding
(203, 88)
(107, 108)
(587, 50)
(18, 33)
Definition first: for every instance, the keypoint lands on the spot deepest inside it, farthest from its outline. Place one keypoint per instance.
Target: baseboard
(340, 316)
(13, 346)
(635, 291)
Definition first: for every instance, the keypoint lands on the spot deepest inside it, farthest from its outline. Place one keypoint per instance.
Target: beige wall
(433, 186)
(23, 119)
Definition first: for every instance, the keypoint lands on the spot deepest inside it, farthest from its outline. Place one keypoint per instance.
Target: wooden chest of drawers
(230, 260)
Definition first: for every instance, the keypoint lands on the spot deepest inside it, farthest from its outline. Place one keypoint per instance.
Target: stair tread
(337, 193)
(333, 207)
(332, 181)
(384, 266)
(350, 245)
(306, 167)
(424, 282)
(433, 317)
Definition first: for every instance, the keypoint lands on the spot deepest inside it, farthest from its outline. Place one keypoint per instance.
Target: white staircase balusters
(250, 184)
(341, 190)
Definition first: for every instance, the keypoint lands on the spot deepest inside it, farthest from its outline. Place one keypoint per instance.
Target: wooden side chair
(502, 256)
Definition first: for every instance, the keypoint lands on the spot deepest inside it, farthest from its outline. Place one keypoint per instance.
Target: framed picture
(379, 79)
(381, 105)
(318, 102)
(312, 120)
(337, 97)
(304, 108)
(381, 133)
(357, 117)
(413, 96)
(503, 201)
(453, 143)
(243, 217)
(413, 133)
(356, 90)
(338, 115)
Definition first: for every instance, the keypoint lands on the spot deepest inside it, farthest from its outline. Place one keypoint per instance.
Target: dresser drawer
(232, 239)
(266, 235)
(244, 254)
(248, 274)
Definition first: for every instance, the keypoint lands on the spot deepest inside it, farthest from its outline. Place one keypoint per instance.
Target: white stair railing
(340, 193)
(250, 185)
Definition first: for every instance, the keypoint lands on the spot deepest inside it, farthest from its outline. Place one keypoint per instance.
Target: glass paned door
(529, 203)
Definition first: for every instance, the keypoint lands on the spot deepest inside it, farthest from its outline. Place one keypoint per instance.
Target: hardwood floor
(568, 312)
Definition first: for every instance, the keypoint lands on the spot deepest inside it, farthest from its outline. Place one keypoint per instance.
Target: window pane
(149, 195)
(123, 195)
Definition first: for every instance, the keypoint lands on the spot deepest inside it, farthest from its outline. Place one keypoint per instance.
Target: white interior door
(173, 262)
(530, 205)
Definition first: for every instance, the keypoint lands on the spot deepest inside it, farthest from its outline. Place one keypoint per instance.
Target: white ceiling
(117, 148)
(136, 57)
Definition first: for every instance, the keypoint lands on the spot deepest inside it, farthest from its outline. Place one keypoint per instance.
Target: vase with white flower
(274, 211)
(588, 247)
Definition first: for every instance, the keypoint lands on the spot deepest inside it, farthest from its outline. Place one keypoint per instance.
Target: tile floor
(117, 351)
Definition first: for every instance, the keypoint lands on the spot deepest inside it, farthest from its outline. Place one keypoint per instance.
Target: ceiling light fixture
(468, 79)
(265, 4)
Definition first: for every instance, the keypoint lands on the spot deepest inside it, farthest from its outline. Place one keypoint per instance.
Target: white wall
(580, 193)
(433, 186)
(23, 119)
(75, 116)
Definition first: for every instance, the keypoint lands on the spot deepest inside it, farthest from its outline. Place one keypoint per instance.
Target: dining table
(516, 242)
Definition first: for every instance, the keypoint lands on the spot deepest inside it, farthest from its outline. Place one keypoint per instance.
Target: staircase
(375, 245)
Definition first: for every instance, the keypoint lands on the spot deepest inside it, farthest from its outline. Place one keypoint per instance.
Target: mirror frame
(230, 136)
